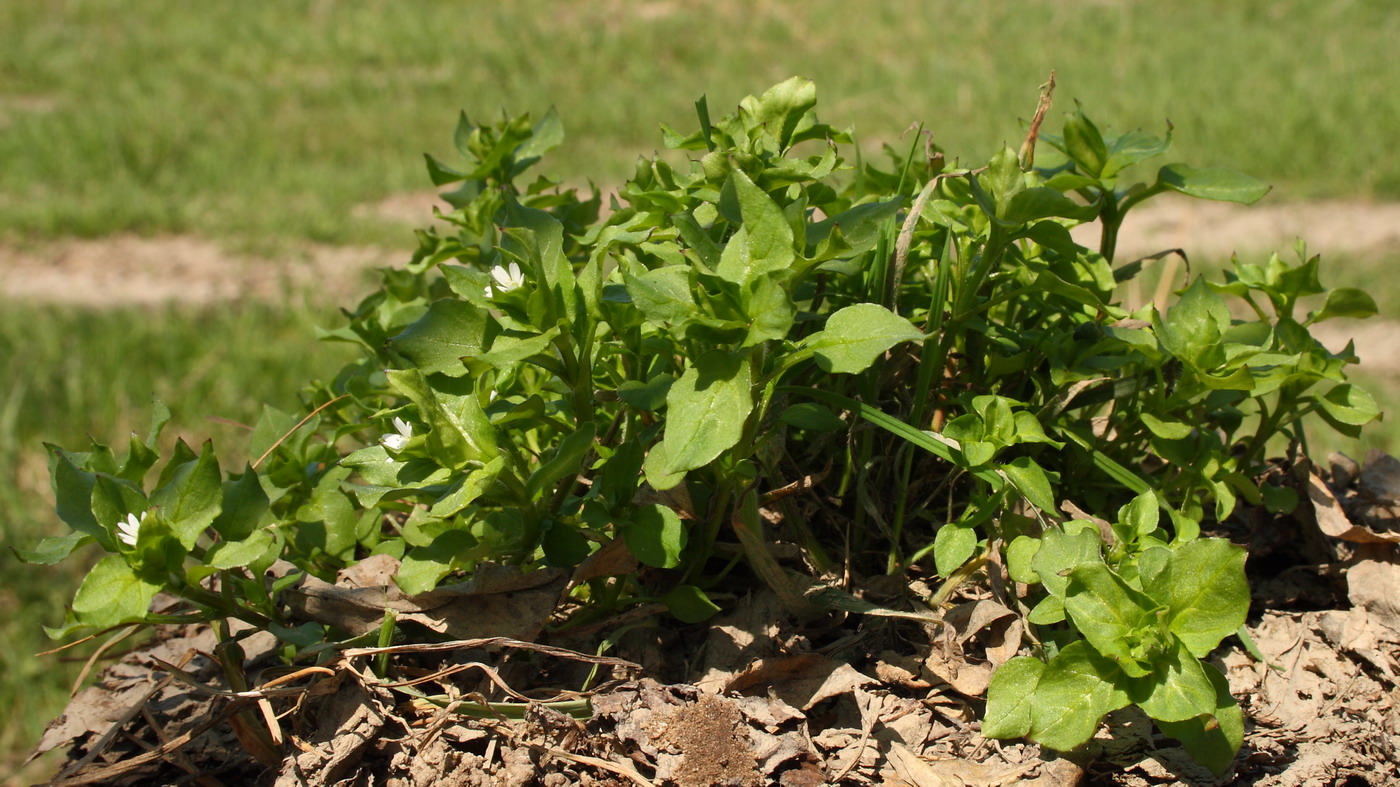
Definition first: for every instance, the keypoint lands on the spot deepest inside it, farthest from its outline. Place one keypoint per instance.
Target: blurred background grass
(268, 126)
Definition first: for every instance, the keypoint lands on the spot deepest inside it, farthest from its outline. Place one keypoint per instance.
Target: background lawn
(270, 126)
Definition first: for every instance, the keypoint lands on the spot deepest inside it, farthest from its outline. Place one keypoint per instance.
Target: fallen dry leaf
(1332, 519)
(1373, 583)
(499, 601)
(998, 631)
(801, 681)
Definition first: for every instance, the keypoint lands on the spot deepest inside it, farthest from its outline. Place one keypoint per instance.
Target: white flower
(128, 528)
(396, 442)
(506, 279)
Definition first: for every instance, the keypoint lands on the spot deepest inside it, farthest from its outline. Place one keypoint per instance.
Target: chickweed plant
(924, 345)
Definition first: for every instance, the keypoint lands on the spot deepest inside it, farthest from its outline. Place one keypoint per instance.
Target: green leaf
(1010, 696)
(1193, 326)
(1216, 183)
(858, 334)
(112, 593)
(565, 462)
(648, 396)
(977, 453)
(244, 503)
(706, 410)
(1178, 687)
(662, 295)
(689, 604)
(1279, 499)
(1111, 615)
(1027, 429)
(459, 431)
(1059, 553)
(1077, 689)
(192, 497)
(1003, 180)
(1349, 404)
(1205, 590)
(237, 554)
(655, 535)
(781, 108)
(466, 489)
(564, 546)
(1049, 611)
(1044, 203)
(327, 520)
(1019, 554)
(1165, 429)
(449, 331)
(1142, 514)
(537, 237)
(768, 310)
(952, 547)
(763, 243)
(507, 349)
(1133, 147)
(546, 135)
(73, 495)
(1031, 481)
(441, 174)
(1212, 739)
(140, 458)
(52, 549)
(859, 227)
(697, 238)
(809, 415)
(423, 567)
(1085, 145)
(1346, 302)
(272, 426)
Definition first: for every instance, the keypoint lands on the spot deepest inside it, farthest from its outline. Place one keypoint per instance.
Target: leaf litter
(758, 696)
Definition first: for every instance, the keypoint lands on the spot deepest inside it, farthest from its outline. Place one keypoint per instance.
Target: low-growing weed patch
(638, 393)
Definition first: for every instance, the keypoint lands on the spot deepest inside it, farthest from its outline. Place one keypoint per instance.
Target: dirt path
(126, 269)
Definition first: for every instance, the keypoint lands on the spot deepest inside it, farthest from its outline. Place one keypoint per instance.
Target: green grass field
(274, 120)
(267, 125)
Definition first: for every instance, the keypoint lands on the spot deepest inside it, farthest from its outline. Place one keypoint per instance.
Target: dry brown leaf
(997, 629)
(1333, 520)
(801, 681)
(499, 601)
(739, 637)
(1373, 583)
(1380, 478)
(916, 771)
(613, 559)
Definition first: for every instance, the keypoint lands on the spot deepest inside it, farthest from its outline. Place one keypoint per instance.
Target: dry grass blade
(96, 655)
(490, 642)
(293, 430)
(111, 733)
(109, 774)
(265, 691)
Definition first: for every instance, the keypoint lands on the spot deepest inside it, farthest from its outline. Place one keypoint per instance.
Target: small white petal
(508, 279)
(393, 442)
(127, 530)
(404, 427)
